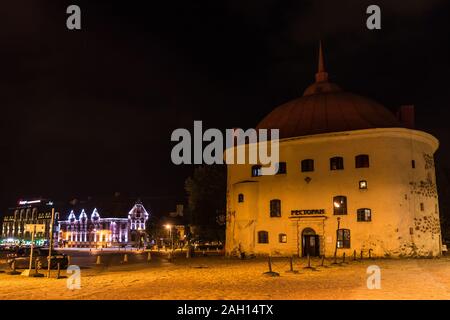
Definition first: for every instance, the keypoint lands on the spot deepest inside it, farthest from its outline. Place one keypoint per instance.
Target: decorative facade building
(95, 231)
(352, 176)
(137, 218)
(28, 212)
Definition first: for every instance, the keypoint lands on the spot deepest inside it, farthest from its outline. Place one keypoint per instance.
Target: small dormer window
(240, 197)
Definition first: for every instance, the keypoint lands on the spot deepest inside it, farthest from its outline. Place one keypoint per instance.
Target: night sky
(90, 112)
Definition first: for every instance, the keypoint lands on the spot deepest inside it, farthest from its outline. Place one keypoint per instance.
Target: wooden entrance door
(310, 243)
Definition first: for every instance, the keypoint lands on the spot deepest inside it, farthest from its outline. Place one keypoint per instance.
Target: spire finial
(321, 75)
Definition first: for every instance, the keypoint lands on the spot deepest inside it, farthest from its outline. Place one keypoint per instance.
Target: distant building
(173, 226)
(97, 231)
(28, 212)
(137, 218)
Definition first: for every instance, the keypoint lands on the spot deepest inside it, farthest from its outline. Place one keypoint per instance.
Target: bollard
(309, 262)
(37, 266)
(58, 271)
(13, 271)
(343, 257)
(354, 255)
(323, 261)
(335, 258)
(270, 272)
(204, 253)
(99, 260)
(188, 253)
(69, 260)
(149, 256)
(370, 253)
(169, 258)
(361, 254)
(291, 265)
(125, 258)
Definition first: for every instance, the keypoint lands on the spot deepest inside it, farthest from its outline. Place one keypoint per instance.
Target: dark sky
(90, 112)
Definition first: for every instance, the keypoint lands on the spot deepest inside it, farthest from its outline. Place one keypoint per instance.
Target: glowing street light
(169, 227)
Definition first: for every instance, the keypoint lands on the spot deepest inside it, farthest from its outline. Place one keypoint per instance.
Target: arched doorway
(310, 243)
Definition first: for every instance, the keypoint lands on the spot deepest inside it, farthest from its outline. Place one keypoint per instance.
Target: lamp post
(169, 227)
(337, 235)
(50, 245)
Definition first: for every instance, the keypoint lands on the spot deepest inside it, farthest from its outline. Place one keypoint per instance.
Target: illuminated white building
(137, 218)
(352, 177)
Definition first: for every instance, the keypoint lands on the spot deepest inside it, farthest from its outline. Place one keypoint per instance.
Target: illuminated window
(362, 161)
(34, 213)
(240, 197)
(282, 168)
(263, 237)
(337, 163)
(364, 215)
(256, 171)
(307, 165)
(282, 238)
(340, 205)
(275, 208)
(363, 184)
(343, 238)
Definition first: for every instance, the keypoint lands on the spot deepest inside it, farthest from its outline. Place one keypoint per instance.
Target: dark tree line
(206, 191)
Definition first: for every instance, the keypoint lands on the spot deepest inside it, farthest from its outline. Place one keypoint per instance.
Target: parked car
(4, 251)
(22, 258)
(204, 245)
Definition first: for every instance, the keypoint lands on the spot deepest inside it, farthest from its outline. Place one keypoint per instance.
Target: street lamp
(337, 236)
(169, 227)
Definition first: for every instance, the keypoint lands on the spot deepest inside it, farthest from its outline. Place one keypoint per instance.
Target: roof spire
(321, 75)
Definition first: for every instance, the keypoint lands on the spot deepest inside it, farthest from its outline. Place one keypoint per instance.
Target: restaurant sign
(295, 213)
